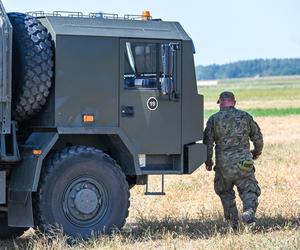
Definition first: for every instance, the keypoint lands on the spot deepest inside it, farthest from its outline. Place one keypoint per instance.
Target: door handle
(127, 111)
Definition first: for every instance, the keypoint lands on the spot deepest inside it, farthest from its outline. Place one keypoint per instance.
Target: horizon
(223, 32)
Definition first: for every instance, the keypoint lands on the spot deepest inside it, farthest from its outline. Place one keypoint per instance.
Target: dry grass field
(190, 215)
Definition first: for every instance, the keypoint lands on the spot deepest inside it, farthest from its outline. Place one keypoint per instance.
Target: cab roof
(80, 26)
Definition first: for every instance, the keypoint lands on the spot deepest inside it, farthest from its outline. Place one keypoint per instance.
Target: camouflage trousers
(247, 187)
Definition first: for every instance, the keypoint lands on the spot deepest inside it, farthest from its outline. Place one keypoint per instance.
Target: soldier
(230, 130)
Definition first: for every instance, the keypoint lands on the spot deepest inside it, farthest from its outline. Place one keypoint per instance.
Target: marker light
(37, 152)
(88, 118)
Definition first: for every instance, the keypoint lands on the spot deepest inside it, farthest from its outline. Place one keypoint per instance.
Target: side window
(142, 65)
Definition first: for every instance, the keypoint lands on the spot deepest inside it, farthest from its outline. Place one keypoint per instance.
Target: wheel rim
(85, 202)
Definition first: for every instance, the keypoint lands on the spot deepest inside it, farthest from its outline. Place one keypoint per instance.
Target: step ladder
(162, 192)
(9, 151)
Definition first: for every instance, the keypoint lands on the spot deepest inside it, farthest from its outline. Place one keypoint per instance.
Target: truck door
(150, 118)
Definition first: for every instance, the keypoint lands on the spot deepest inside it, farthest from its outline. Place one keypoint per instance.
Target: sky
(223, 31)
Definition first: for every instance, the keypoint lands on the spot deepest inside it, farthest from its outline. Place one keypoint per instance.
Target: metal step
(162, 192)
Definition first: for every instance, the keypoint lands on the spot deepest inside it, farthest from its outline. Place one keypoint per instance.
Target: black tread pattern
(51, 164)
(32, 65)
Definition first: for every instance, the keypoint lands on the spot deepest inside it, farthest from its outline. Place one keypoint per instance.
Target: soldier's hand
(209, 164)
(254, 155)
(208, 168)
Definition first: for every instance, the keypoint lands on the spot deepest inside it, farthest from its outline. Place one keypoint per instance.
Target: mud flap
(25, 178)
(20, 209)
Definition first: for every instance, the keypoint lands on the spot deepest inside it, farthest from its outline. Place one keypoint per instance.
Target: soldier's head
(226, 99)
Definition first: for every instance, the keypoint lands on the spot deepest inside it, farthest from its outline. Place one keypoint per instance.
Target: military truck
(90, 106)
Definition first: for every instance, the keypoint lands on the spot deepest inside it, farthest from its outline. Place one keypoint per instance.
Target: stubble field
(190, 215)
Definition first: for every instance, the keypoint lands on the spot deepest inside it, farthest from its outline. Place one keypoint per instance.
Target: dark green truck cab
(122, 104)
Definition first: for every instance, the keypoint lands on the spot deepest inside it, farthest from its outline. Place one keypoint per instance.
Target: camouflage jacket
(229, 130)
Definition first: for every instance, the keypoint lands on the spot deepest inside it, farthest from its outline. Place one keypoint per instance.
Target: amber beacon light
(146, 15)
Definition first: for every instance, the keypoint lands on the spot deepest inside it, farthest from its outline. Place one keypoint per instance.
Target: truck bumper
(194, 155)
(2, 187)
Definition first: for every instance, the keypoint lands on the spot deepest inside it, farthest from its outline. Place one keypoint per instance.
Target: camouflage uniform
(230, 130)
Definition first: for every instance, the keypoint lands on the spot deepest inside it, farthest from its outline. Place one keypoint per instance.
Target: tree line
(249, 68)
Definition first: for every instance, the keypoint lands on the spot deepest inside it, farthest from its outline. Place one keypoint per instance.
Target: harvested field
(190, 215)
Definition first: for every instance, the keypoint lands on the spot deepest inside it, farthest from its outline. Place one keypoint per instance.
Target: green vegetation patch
(263, 112)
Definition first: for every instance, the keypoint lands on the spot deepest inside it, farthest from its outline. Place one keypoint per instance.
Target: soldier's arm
(256, 137)
(209, 140)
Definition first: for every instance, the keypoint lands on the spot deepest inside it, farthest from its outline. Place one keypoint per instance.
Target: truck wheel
(84, 191)
(32, 65)
(7, 232)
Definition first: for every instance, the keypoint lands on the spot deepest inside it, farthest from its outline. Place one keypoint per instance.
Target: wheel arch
(114, 143)
(25, 178)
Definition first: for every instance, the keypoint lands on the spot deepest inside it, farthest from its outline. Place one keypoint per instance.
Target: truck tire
(32, 65)
(7, 232)
(83, 191)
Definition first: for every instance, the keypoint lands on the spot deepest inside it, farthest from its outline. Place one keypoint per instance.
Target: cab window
(142, 66)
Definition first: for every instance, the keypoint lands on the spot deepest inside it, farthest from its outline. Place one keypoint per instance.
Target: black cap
(226, 95)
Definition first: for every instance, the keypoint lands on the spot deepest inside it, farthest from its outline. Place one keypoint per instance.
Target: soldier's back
(231, 131)
(231, 127)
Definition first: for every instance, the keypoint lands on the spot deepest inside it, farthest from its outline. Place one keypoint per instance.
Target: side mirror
(169, 81)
